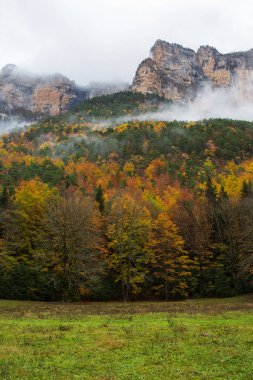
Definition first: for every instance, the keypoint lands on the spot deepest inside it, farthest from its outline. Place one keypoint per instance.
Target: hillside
(178, 144)
(123, 105)
(89, 181)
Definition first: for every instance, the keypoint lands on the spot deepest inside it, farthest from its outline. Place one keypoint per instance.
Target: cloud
(104, 40)
(11, 124)
(232, 103)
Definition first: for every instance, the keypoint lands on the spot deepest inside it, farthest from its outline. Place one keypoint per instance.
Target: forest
(138, 210)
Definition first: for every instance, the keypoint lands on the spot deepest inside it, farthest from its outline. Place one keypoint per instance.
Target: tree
(26, 219)
(129, 169)
(196, 227)
(99, 197)
(170, 262)
(210, 191)
(236, 225)
(74, 245)
(4, 197)
(246, 189)
(129, 227)
(23, 236)
(222, 194)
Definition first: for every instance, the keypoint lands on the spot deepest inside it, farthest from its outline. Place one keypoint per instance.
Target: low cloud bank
(11, 124)
(233, 103)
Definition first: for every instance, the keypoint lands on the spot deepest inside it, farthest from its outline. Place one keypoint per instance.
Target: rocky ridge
(37, 95)
(177, 73)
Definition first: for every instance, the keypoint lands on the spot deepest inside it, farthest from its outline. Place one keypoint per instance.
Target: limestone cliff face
(177, 73)
(39, 95)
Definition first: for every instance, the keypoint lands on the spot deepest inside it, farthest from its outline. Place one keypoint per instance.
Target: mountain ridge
(177, 73)
(33, 95)
(38, 94)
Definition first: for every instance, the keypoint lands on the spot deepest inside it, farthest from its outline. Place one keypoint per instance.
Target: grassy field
(204, 339)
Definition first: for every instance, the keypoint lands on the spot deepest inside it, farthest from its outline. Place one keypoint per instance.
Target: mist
(209, 103)
(11, 124)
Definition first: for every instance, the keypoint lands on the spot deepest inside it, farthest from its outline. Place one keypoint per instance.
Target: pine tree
(210, 191)
(99, 197)
(223, 194)
(246, 189)
(4, 197)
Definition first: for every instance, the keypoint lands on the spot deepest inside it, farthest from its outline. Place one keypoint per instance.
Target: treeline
(70, 244)
(119, 104)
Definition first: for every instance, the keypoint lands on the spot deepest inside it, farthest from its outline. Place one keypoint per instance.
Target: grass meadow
(193, 339)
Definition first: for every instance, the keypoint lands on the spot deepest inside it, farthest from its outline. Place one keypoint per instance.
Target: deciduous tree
(170, 261)
(128, 233)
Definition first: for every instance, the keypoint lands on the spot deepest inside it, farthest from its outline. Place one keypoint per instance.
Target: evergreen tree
(99, 197)
(246, 189)
(223, 194)
(210, 191)
(4, 198)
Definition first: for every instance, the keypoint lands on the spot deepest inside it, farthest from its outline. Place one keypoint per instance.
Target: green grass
(196, 339)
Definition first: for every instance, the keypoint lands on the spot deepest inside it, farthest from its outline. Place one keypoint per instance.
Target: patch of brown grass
(45, 310)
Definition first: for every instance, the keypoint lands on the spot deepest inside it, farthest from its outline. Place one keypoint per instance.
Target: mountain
(177, 73)
(23, 93)
(30, 96)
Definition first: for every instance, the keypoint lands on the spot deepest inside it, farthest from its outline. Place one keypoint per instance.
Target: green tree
(210, 191)
(4, 197)
(99, 197)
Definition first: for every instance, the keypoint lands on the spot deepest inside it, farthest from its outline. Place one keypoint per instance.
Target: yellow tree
(24, 235)
(128, 232)
(169, 260)
(129, 169)
(26, 221)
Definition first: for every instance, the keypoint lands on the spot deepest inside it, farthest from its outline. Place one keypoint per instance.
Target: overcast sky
(105, 40)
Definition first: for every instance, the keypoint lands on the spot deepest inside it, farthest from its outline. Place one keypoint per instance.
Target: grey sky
(105, 40)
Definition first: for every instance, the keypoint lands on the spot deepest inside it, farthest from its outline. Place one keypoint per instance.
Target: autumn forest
(96, 208)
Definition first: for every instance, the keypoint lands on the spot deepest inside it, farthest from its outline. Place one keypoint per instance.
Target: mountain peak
(8, 69)
(168, 45)
(207, 49)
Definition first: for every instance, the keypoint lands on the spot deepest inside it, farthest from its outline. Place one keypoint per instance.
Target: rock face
(177, 73)
(36, 95)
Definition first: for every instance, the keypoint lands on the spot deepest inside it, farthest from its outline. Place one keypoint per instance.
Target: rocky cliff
(36, 95)
(177, 73)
